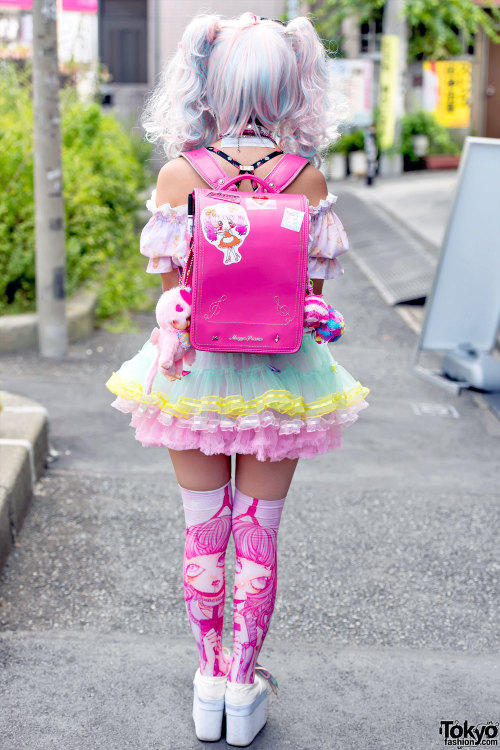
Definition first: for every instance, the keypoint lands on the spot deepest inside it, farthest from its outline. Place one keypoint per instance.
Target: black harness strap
(243, 168)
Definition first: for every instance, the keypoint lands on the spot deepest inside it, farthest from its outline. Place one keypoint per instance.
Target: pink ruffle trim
(268, 435)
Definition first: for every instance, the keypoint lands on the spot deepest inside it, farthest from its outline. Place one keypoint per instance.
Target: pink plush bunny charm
(174, 351)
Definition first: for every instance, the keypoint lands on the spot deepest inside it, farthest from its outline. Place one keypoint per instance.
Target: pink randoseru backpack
(248, 261)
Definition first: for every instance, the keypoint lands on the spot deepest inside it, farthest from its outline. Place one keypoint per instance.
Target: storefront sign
(82, 6)
(447, 85)
(386, 125)
(21, 4)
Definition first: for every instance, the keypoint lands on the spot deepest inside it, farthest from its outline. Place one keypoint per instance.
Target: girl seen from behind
(248, 91)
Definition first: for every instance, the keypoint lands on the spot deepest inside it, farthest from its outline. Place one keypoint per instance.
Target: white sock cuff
(201, 506)
(186, 492)
(266, 510)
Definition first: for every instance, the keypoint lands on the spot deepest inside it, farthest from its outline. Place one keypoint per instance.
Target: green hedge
(104, 173)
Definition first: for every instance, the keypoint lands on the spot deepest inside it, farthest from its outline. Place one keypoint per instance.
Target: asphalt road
(387, 615)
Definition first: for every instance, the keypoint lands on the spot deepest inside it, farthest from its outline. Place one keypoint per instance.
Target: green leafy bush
(424, 123)
(103, 174)
(353, 140)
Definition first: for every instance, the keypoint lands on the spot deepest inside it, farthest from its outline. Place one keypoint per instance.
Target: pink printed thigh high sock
(255, 532)
(208, 528)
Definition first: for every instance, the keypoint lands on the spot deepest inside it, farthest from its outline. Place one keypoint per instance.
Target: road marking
(435, 410)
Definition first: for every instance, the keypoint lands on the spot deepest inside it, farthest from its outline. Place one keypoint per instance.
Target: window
(123, 39)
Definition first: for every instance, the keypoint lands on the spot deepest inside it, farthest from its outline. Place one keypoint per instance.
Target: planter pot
(411, 166)
(390, 164)
(337, 167)
(442, 161)
(420, 144)
(357, 163)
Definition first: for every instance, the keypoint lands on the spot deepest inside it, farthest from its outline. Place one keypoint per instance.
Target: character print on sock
(254, 591)
(204, 586)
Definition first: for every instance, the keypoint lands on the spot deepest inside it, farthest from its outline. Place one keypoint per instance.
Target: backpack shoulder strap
(209, 170)
(285, 171)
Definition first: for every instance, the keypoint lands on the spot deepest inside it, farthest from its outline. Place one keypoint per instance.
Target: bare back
(177, 178)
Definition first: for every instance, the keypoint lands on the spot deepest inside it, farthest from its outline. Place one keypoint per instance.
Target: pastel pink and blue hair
(229, 72)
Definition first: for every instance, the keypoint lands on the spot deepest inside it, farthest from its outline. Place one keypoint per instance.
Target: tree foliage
(103, 175)
(438, 29)
(442, 29)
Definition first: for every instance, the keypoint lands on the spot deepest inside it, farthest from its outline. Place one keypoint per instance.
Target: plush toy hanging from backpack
(321, 319)
(175, 354)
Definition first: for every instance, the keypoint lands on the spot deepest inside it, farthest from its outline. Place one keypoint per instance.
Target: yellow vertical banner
(447, 88)
(386, 125)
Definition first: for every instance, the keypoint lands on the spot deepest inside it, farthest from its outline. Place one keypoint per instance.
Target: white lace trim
(324, 203)
(165, 208)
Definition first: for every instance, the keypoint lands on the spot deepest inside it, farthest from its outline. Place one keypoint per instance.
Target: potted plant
(390, 161)
(355, 149)
(336, 160)
(427, 143)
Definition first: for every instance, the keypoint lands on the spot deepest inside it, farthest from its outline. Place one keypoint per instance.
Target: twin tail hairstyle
(228, 73)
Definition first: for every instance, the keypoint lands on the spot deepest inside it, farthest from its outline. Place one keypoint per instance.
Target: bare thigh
(200, 473)
(266, 480)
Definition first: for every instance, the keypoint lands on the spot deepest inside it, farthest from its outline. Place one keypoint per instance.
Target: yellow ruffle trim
(283, 402)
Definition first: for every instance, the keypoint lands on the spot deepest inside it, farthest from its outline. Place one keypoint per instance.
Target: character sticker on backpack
(292, 219)
(225, 226)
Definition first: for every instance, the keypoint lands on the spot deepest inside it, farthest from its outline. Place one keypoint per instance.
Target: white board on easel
(464, 303)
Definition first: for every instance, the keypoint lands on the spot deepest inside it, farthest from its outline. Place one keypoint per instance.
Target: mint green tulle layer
(279, 405)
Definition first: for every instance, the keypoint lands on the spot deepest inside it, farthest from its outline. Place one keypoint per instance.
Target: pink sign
(22, 4)
(83, 6)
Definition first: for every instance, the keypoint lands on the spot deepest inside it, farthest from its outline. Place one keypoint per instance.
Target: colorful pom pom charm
(332, 329)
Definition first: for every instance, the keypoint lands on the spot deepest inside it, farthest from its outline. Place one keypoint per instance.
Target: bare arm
(318, 285)
(169, 280)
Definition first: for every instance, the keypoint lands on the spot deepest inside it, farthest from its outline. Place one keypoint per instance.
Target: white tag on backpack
(261, 202)
(292, 219)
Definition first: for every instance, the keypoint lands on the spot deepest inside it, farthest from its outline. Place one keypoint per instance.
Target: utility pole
(292, 9)
(395, 24)
(49, 206)
(393, 72)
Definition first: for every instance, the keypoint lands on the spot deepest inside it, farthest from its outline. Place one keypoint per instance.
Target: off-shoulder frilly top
(163, 239)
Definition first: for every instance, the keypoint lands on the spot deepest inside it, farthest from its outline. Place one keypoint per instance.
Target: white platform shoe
(246, 708)
(208, 706)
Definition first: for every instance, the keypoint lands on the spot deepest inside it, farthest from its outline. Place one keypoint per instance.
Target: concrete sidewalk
(421, 201)
(387, 615)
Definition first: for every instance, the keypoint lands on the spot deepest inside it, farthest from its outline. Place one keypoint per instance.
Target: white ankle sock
(240, 694)
(210, 688)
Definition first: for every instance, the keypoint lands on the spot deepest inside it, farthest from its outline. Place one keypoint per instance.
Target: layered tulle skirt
(273, 406)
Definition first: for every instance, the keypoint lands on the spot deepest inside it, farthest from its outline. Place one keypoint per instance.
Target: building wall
(170, 17)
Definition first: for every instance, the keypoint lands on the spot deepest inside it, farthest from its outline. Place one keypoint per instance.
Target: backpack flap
(250, 270)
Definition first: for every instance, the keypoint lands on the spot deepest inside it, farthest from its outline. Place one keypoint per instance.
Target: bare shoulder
(310, 182)
(176, 179)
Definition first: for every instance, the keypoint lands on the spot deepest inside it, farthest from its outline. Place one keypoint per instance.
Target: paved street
(421, 200)
(387, 614)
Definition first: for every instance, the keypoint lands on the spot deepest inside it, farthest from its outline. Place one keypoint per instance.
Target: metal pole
(49, 206)
(292, 9)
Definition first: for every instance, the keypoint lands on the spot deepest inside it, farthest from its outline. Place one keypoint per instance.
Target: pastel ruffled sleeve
(163, 239)
(327, 240)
